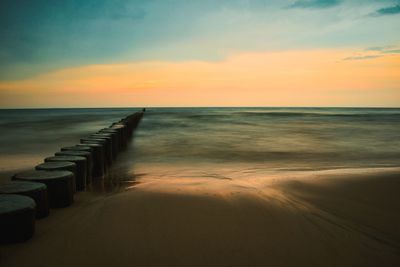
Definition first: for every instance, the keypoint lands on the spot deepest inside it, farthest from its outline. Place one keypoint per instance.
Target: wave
(260, 135)
(228, 114)
(317, 114)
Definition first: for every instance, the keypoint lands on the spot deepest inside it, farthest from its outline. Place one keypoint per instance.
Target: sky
(98, 53)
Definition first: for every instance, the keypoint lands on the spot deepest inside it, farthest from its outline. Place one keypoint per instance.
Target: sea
(211, 143)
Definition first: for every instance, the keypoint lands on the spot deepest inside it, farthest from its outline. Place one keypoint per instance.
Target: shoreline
(337, 221)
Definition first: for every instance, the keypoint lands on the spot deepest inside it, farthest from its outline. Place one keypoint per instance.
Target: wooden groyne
(53, 183)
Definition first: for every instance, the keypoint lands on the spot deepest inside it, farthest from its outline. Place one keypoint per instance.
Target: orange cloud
(292, 78)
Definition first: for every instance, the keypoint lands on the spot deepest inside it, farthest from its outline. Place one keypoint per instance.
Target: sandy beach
(327, 218)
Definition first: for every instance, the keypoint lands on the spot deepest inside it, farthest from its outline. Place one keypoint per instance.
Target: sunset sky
(98, 53)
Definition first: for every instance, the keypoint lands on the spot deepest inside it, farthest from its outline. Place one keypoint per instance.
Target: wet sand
(321, 219)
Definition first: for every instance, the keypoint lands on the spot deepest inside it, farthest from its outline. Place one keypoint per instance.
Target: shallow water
(214, 143)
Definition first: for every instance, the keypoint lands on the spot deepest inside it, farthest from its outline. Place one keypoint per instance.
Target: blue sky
(42, 35)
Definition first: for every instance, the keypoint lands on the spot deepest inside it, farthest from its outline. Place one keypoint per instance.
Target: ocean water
(221, 143)
(30, 135)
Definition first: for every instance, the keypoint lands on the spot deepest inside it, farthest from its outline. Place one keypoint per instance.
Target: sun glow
(291, 78)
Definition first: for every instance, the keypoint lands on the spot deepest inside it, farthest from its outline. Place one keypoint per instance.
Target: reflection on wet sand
(364, 201)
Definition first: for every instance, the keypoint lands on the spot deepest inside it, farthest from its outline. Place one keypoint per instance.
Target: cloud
(42, 35)
(362, 57)
(393, 51)
(315, 3)
(378, 48)
(392, 10)
(375, 52)
(119, 10)
(390, 49)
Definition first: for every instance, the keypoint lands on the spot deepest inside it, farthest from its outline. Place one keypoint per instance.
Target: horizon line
(149, 107)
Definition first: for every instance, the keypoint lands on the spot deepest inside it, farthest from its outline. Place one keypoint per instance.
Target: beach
(348, 219)
(221, 187)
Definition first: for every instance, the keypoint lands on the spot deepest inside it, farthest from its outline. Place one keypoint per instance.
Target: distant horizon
(150, 107)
